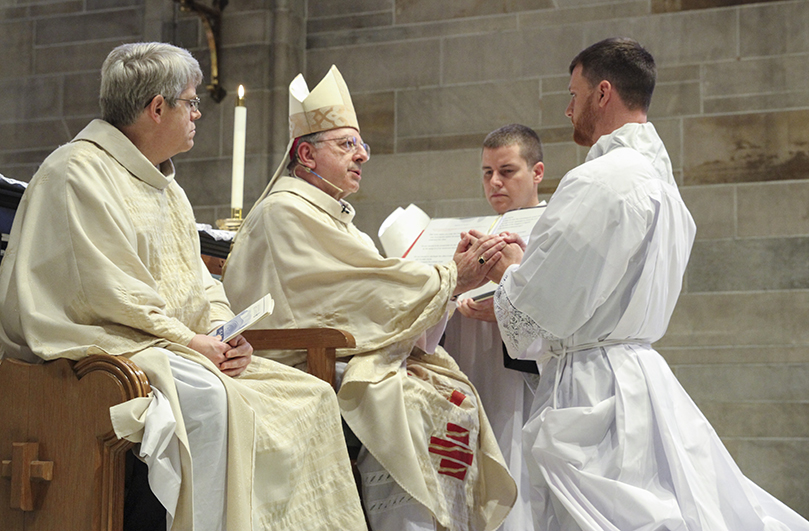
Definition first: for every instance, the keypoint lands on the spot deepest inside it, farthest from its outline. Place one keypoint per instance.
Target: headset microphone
(310, 170)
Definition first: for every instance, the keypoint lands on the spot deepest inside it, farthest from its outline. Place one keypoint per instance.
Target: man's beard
(584, 128)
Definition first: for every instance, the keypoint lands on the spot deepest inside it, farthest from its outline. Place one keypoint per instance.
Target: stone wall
(431, 77)
(49, 81)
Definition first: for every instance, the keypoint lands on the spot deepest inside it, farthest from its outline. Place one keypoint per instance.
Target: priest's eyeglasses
(194, 103)
(349, 144)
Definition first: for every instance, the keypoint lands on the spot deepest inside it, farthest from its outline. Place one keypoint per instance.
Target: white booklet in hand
(246, 318)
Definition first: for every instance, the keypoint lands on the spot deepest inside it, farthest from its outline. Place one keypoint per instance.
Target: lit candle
(239, 136)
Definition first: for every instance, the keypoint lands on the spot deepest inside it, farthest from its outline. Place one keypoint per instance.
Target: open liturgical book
(246, 318)
(410, 233)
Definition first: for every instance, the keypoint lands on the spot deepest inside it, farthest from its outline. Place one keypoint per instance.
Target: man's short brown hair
(511, 134)
(625, 64)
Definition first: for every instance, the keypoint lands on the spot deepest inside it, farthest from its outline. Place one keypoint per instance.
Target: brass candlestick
(233, 223)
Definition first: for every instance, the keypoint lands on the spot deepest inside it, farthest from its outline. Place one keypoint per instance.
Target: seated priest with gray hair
(104, 257)
(428, 459)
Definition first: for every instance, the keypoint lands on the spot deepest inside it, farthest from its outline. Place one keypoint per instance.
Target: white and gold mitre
(327, 106)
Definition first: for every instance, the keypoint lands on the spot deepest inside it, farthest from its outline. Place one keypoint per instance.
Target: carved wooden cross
(23, 468)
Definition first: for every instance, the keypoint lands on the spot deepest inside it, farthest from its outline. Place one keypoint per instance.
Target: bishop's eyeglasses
(349, 144)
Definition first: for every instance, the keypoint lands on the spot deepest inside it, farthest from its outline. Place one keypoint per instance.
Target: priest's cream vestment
(415, 412)
(104, 257)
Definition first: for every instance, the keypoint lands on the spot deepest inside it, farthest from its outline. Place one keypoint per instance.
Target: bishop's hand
(475, 255)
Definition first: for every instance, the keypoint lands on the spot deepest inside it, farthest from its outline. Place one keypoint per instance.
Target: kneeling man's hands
(510, 254)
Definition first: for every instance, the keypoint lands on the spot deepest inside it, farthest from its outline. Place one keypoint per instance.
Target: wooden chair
(62, 465)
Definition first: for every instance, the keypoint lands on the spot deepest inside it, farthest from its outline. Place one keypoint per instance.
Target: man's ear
(539, 172)
(605, 92)
(156, 108)
(305, 154)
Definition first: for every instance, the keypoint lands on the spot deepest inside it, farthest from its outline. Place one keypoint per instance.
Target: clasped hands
(481, 257)
(231, 357)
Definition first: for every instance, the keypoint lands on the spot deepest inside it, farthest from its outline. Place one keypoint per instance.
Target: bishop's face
(581, 109)
(339, 156)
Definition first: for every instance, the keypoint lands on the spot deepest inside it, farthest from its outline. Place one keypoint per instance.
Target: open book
(410, 233)
(246, 318)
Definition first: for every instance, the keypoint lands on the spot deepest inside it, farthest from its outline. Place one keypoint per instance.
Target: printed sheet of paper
(438, 242)
(246, 318)
(437, 239)
(521, 221)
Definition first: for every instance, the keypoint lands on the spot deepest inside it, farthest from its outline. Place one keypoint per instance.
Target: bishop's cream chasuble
(415, 412)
